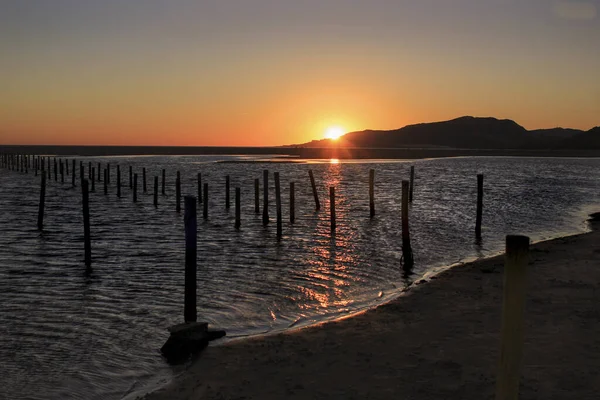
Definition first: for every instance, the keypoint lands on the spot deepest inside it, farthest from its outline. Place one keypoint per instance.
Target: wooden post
(90, 171)
(372, 193)
(412, 184)
(26, 164)
(66, 166)
(35, 165)
(199, 187)
(135, 188)
(92, 175)
(105, 181)
(205, 210)
(332, 208)
(314, 190)
(130, 177)
(55, 170)
(144, 180)
(108, 172)
(278, 205)
(40, 223)
(156, 191)
(62, 172)
(265, 197)
(49, 169)
(256, 196)
(292, 203)
(81, 172)
(238, 221)
(227, 192)
(190, 224)
(99, 173)
(406, 247)
(73, 174)
(118, 181)
(511, 348)
(479, 206)
(178, 192)
(86, 224)
(164, 178)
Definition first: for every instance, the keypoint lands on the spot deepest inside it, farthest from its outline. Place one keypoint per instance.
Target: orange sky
(222, 74)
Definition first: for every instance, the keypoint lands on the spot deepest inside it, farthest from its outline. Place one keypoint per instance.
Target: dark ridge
(466, 133)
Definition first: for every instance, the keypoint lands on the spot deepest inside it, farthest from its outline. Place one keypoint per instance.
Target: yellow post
(511, 350)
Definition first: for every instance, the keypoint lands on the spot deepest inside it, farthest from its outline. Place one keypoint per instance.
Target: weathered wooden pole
(99, 172)
(407, 254)
(55, 170)
(26, 164)
(191, 241)
(199, 187)
(511, 347)
(164, 178)
(81, 172)
(49, 170)
(265, 215)
(412, 184)
(118, 181)
(256, 196)
(372, 193)
(108, 172)
(156, 191)
(92, 175)
(135, 188)
(205, 210)
(62, 172)
(314, 190)
(178, 192)
(73, 174)
(35, 165)
(87, 245)
(238, 219)
(90, 171)
(292, 203)
(278, 206)
(332, 208)
(227, 192)
(479, 206)
(144, 180)
(40, 223)
(130, 177)
(67, 166)
(105, 181)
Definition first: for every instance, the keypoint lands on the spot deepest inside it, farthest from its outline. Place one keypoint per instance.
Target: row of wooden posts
(517, 247)
(38, 163)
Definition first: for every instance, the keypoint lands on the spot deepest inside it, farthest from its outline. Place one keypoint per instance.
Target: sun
(334, 132)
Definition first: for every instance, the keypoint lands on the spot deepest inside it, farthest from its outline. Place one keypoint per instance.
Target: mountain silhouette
(584, 140)
(467, 133)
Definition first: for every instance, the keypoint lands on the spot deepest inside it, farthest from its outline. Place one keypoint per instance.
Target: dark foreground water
(67, 335)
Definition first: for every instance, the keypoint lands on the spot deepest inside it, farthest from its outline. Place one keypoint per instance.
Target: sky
(267, 72)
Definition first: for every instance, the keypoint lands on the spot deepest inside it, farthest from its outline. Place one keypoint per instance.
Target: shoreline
(289, 359)
(407, 153)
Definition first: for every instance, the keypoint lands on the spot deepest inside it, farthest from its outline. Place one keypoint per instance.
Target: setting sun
(333, 132)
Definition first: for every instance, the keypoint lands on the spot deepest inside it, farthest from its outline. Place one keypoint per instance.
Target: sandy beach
(438, 341)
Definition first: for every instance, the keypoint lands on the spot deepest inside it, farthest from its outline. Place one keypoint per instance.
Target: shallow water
(67, 335)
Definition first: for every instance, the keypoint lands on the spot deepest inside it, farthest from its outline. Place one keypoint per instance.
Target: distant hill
(467, 133)
(584, 140)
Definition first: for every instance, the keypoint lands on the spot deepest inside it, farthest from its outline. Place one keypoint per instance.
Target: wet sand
(438, 341)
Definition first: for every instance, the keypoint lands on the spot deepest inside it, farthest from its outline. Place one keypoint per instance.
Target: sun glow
(333, 132)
